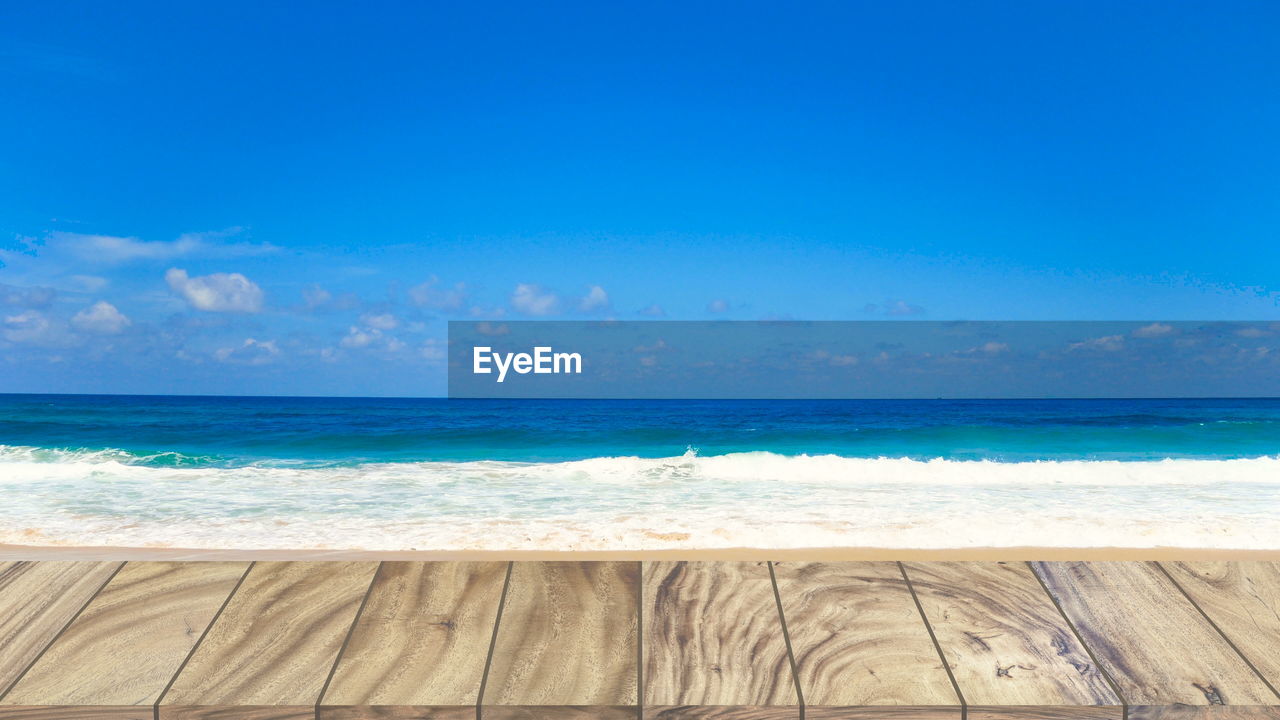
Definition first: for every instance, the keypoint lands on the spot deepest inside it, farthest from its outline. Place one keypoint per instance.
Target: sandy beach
(67, 553)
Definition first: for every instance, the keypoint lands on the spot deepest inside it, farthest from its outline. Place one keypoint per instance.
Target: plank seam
(155, 709)
(1124, 704)
(786, 639)
(1214, 625)
(964, 705)
(60, 632)
(640, 640)
(493, 641)
(347, 640)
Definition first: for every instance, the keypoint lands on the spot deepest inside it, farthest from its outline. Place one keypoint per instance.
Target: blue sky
(226, 198)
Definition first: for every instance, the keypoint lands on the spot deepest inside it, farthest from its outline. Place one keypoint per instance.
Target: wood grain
(1033, 712)
(566, 643)
(420, 645)
(126, 645)
(1212, 712)
(860, 645)
(1007, 644)
(394, 712)
(712, 712)
(714, 645)
(1154, 643)
(37, 600)
(269, 653)
(1243, 600)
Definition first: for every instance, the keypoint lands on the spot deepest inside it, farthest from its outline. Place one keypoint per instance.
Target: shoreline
(830, 554)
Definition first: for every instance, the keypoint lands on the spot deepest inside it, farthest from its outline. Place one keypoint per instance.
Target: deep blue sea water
(239, 430)
(494, 474)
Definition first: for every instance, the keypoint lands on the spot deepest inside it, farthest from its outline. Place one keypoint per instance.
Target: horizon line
(646, 399)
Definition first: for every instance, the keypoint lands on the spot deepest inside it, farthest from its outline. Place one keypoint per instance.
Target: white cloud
(654, 310)
(111, 249)
(29, 326)
(219, 292)
(251, 352)
(383, 321)
(531, 299)
(495, 312)
(718, 305)
(26, 297)
(902, 308)
(1109, 343)
(317, 298)
(595, 299)
(432, 350)
(358, 338)
(485, 328)
(428, 295)
(33, 327)
(835, 360)
(102, 318)
(895, 308)
(1153, 330)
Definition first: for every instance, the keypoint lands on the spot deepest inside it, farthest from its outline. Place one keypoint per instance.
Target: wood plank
(270, 652)
(120, 652)
(37, 600)
(420, 646)
(1243, 600)
(566, 644)
(1010, 650)
(861, 647)
(1167, 661)
(713, 645)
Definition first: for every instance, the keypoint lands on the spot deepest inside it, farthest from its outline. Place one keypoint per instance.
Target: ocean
(438, 474)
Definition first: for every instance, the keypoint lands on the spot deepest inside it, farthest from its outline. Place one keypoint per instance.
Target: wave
(756, 499)
(29, 463)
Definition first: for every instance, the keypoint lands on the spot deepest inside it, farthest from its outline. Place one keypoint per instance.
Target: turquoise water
(458, 474)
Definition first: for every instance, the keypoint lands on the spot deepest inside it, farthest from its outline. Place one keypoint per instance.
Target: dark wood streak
(274, 644)
(37, 601)
(1006, 641)
(567, 639)
(1154, 643)
(713, 638)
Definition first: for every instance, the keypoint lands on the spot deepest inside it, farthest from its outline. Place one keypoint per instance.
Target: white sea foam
(756, 499)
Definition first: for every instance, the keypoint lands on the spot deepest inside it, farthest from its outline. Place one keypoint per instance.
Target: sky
(863, 359)
(242, 198)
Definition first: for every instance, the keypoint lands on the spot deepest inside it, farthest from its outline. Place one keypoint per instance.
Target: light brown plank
(420, 645)
(126, 645)
(1010, 650)
(395, 712)
(714, 646)
(861, 647)
(1243, 600)
(1034, 712)
(37, 600)
(1165, 658)
(566, 645)
(269, 653)
(1213, 712)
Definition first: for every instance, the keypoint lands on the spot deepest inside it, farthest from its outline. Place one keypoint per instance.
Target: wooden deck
(535, 640)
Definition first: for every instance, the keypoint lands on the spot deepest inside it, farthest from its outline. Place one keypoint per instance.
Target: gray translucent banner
(868, 359)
